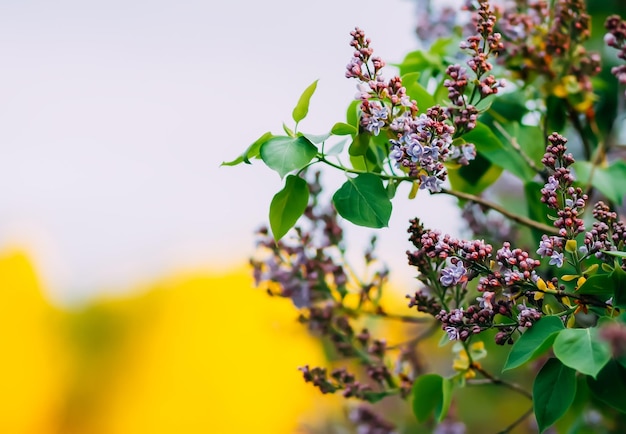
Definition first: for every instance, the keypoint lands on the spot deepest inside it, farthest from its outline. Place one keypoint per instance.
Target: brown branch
(499, 382)
(516, 422)
(512, 216)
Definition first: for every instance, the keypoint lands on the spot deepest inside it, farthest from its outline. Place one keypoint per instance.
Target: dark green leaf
(302, 108)
(288, 205)
(429, 397)
(534, 341)
(363, 201)
(342, 129)
(553, 392)
(610, 385)
(415, 91)
(251, 152)
(284, 154)
(582, 349)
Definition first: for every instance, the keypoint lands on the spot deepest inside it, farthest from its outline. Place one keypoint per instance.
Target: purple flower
(551, 185)
(556, 259)
(453, 274)
(545, 247)
(430, 183)
(453, 333)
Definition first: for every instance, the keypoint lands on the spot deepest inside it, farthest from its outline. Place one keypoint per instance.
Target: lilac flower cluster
(616, 38)
(558, 193)
(420, 144)
(484, 44)
(445, 262)
(373, 91)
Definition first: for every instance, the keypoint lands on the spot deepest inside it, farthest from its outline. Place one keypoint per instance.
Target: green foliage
(553, 391)
(534, 342)
(302, 108)
(288, 205)
(251, 152)
(285, 154)
(582, 350)
(432, 395)
(363, 200)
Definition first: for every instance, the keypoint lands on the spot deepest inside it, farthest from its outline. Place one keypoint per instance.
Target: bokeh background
(126, 303)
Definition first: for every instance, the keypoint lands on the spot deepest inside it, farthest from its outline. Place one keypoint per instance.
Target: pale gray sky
(115, 116)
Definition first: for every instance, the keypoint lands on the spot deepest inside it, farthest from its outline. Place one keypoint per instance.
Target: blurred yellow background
(190, 353)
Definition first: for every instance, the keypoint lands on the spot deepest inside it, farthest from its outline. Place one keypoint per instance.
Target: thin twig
(498, 381)
(516, 422)
(515, 217)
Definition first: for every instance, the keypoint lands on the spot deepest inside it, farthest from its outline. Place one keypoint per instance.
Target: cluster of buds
(607, 233)
(616, 38)
(419, 145)
(559, 194)
(481, 46)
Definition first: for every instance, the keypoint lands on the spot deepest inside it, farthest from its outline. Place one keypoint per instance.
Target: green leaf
(431, 393)
(360, 144)
(534, 341)
(415, 91)
(363, 201)
(302, 108)
(288, 205)
(352, 113)
(343, 129)
(284, 154)
(598, 284)
(554, 390)
(614, 253)
(251, 152)
(610, 385)
(446, 389)
(490, 146)
(582, 349)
